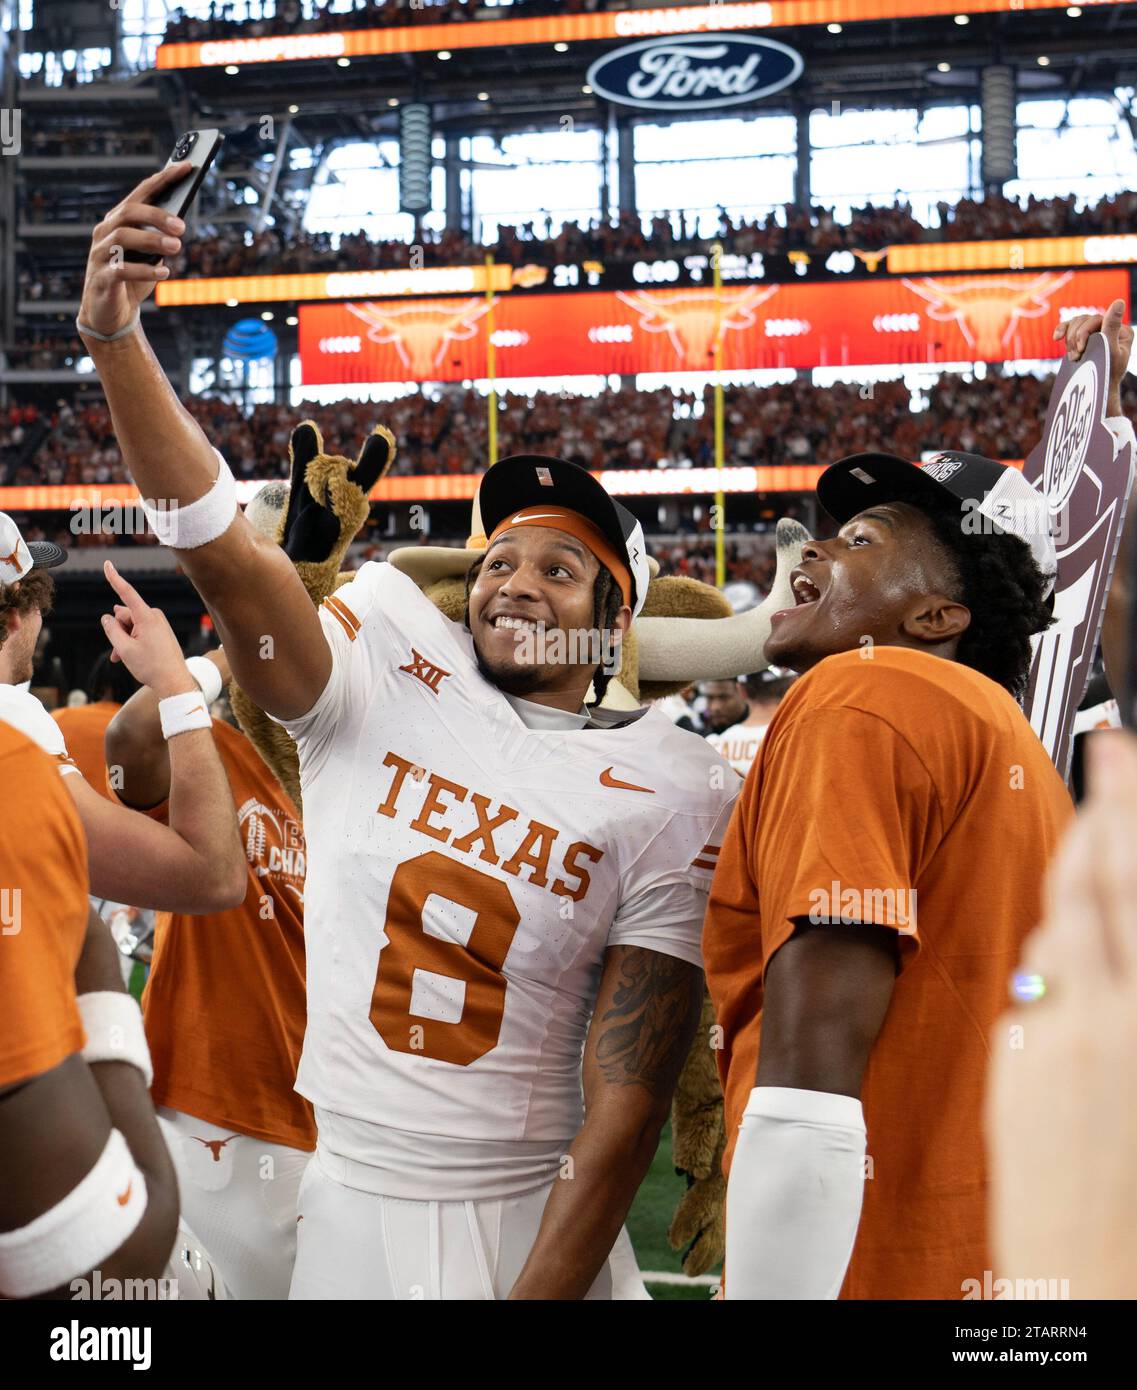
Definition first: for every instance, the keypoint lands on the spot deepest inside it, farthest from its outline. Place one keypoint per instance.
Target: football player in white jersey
(505, 886)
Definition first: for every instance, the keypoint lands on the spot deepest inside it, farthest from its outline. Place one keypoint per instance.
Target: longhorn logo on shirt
(274, 845)
(420, 333)
(215, 1145)
(423, 669)
(988, 308)
(693, 320)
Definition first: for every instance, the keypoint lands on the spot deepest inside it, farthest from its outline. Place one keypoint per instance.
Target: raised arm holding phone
(248, 584)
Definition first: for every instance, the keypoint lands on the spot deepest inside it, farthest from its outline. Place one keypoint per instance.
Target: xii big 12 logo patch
(1087, 489)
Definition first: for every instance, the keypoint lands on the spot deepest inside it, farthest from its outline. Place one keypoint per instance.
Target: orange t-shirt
(904, 773)
(43, 912)
(84, 728)
(225, 1004)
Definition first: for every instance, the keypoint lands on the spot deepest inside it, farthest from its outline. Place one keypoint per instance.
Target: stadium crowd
(258, 18)
(796, 422)
(793, 423)
(816, 232)
(783, 232)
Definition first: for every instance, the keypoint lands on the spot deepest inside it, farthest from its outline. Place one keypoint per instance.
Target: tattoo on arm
(647, 1032)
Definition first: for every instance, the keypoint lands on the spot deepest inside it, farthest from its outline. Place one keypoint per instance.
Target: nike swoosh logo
(125, 1197)
(607, 780)
(538, 516)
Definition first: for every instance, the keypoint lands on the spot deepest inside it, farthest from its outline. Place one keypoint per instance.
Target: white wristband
(207, 675)
(80, 1231)
(113, 1024)
(181, 713)
(198, 523)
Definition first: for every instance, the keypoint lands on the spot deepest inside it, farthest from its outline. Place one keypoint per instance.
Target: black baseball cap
(998, 492)
(530, 481)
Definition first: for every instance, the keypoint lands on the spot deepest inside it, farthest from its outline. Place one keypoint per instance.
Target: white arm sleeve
(793, 1202)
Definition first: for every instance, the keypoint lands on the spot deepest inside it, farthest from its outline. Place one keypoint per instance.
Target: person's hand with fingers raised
(1118, 336)
(114, 287)
(142, 639)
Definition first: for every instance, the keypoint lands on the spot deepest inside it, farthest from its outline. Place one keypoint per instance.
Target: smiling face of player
(531, 608)
(883, 577)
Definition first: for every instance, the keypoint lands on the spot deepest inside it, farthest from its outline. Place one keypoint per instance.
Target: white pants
(192, 1270)
(238, 1195)
(357, 1245)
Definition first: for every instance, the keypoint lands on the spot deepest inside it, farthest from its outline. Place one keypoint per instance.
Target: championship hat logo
(421, 333)
(941, 468)
(987, 309)
(692, 320)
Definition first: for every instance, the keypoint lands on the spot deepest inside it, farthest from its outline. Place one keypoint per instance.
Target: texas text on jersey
(466, 874)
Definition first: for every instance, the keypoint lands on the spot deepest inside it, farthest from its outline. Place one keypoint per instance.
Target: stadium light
(586, 90)
(292, 320)
(443, 55)
(1044, 62)
(231, 303)
(268, 316)
(834, 28)
(963, 19)
(232, 70)
(483, 96)
(943, 67)
(343, 62)
(1074, 11)
(561, 47)
(392, 101)
(292, 110)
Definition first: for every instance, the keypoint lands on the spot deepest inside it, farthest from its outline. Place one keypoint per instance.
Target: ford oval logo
(691, 74)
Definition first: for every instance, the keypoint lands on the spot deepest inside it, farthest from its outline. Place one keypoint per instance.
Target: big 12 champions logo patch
(274, 845)
(1087, 490)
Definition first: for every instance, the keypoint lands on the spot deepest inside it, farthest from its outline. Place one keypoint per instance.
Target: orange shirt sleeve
(43, 877)
(847, 809)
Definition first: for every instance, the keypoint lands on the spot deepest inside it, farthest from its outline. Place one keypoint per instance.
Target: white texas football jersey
(739, 745)
(467, 873)
(22, 709)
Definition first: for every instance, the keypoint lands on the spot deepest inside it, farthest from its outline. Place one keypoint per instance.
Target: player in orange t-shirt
(225, 1013)
(88, 1185)
(883, 864)
(109, 686)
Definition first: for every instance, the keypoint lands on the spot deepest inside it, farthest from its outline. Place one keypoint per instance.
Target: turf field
(649, 1219)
